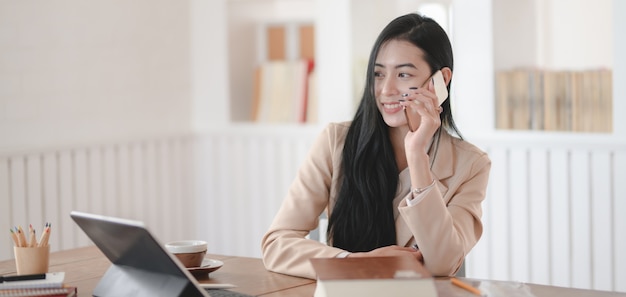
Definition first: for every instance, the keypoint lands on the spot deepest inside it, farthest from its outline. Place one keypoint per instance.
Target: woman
(387, 190)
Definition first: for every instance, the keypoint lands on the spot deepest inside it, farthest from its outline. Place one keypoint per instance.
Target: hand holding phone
(412, 117)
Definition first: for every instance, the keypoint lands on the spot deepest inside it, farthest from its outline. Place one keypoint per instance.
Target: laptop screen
(126, 242)
(133, 251)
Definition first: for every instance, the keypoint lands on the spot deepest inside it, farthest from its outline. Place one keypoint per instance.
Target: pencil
(33, 239)
(465, 286)
(45, 236)
(21, 236)
(14, 237)
(30, 235)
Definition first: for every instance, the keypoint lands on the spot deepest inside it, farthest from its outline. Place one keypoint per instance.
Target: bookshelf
(545, 77)
(284, 76)
(332, 45)
(272, 43)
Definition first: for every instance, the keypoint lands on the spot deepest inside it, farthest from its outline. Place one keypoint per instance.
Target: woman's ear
(447, 74)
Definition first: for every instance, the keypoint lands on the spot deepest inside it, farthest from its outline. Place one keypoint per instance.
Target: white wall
(514, 34)
(473, 83)
(619, 70)
(578, 34)
(553, 34)
(81, 72)
(209, 64)
(333, 53)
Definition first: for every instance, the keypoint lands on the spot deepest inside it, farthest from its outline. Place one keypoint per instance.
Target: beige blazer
(445, 223)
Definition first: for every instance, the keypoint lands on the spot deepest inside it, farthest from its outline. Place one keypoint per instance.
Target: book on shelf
(372, 276)
(282, 91)
(311, 107)
(503, 110)
(554, 100)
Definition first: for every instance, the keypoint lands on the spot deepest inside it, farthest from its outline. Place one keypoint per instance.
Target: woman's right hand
(388, 251)
(423, 101)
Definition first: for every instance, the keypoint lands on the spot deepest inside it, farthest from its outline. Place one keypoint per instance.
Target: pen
(22, 277)
(465, 286)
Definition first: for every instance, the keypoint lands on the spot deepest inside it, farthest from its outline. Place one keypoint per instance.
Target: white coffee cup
(189, 252)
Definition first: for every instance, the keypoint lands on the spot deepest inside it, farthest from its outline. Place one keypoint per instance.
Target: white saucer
(208, 265)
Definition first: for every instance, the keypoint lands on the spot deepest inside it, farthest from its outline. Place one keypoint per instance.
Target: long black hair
(362, 218)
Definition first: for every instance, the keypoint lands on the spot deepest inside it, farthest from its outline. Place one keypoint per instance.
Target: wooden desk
(85, 266)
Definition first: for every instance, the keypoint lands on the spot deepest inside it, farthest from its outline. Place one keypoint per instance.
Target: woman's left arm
(446, 226)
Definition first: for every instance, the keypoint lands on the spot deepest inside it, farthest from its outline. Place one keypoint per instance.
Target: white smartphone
(412, 117)
(440, 87)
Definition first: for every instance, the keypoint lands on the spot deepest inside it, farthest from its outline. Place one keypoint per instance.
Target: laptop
(140, 265)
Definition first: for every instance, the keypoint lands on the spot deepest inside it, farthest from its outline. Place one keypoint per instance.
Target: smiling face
(399, 66)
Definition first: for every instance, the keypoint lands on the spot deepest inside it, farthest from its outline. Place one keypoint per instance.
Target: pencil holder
(31, 260)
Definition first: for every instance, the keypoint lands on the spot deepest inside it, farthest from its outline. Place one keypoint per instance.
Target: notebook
(66, 291)
(140, 266)
(52, 280)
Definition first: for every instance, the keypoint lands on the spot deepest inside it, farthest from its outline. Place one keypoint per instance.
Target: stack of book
(284, 92)
(375, 276)
(535, 99)
(49, 285)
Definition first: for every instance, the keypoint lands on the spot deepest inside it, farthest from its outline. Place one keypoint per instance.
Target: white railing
(554, 212)
(242, 176)
(144, 180)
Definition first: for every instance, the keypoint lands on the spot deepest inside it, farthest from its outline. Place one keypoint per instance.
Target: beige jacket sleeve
(285, 248)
